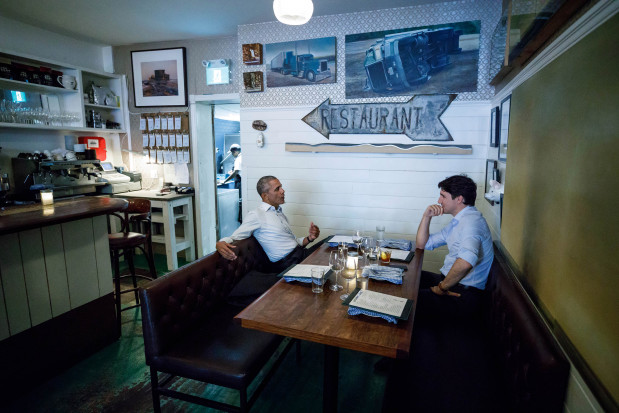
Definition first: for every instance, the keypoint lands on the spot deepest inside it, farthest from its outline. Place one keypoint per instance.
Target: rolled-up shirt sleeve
(438, 239)
(300, 240)
(470, 246)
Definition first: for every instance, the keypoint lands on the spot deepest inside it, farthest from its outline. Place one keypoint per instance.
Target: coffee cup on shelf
(67, 81)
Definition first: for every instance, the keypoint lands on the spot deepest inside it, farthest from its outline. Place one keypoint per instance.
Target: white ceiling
(119, 22)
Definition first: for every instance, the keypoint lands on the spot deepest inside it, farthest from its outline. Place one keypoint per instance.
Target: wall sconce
(293, 12)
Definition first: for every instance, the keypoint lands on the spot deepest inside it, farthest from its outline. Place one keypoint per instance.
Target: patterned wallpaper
(488, 11)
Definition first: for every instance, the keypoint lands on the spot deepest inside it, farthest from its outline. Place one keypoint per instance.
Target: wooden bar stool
(135, 233)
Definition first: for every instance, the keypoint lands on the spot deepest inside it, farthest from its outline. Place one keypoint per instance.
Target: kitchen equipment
(96, 143)
(66, 178)
(116, 182)
(5, 187)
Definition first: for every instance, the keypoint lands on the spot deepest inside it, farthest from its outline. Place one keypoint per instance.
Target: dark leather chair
(135, 233)
(189, 330)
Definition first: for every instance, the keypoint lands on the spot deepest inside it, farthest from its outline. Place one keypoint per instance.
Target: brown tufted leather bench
(189, 332)
(532, 368)
(508, 361)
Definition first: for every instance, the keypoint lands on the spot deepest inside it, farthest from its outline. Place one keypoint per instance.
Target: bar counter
(23, 217)
(56, 287)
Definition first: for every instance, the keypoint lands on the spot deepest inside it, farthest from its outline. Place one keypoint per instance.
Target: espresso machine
(5, 187)
(66, 178)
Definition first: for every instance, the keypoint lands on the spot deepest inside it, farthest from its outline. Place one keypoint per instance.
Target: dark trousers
(447, 370)
(294, 257)
(446, 309)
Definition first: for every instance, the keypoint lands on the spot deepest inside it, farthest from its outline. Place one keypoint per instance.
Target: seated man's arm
(314, 232)
(470, 248)
(457, 272)
(247, 228)
(423, 232)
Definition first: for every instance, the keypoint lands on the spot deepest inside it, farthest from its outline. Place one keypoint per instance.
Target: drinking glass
(335, 262)
(349, 272)
(318, 277)
(385, 257)
(357, 237)
(367, 245)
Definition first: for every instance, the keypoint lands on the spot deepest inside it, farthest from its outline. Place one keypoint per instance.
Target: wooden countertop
(152, 195)
(23, 217)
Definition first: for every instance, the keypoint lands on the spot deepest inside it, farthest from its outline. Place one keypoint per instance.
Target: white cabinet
(60, 108)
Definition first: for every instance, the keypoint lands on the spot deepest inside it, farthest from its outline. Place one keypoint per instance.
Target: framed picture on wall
(492, 173)
(252, 82)
(494, 127)
(159, 77)
(504, 128)
(252, 54)
(501, 213)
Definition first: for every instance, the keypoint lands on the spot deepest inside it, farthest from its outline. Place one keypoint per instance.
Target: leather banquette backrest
(534, 368)
(180, 300)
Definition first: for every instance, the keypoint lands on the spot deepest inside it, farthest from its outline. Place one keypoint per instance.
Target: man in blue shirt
(457, 291)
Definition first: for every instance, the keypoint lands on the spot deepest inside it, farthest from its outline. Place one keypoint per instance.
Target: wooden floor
(117, 380)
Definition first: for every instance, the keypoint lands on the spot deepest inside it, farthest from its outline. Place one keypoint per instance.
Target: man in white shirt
(268, 224)
(235, 173)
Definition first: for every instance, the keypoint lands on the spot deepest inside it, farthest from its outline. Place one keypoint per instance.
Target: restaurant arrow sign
(419, 118)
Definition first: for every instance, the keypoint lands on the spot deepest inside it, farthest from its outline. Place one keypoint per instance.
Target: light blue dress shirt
(467, 236)
(272, 230)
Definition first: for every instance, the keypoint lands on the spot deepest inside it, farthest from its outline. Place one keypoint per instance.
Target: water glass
(318, 279)
(380, 232)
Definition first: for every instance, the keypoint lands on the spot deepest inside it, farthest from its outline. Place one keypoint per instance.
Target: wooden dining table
(291, 309)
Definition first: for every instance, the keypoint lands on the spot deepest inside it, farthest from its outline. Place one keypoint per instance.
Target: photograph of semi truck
(303, 66)
(300, 62)
(437, 59)
(403, 59)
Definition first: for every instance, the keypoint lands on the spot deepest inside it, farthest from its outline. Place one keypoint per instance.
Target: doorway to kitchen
(214, 120)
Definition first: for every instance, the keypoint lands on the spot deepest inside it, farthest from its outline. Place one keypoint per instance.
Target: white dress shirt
(272, 230)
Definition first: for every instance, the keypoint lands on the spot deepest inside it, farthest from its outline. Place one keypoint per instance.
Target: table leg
(170, 235)
(330, 382)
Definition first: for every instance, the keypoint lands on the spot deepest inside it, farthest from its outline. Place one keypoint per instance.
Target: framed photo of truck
(301, 62)
(437, 59)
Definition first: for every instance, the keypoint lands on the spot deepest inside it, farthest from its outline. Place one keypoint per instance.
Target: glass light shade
(294, 12)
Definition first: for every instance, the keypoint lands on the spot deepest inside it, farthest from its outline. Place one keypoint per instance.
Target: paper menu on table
(341, 238)
(397, 254)
(381, 303)
(303, 270)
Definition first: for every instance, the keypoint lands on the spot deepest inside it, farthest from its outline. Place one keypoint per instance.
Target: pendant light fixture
(294, 12)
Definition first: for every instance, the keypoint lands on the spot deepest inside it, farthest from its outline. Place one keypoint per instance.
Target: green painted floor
(116, 379)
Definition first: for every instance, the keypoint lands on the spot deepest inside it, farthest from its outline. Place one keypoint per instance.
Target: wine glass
(357, 237)
(349, 272)
(335, 262)
(366, 246)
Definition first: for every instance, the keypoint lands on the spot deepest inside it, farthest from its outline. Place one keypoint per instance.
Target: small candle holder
(47, 196)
